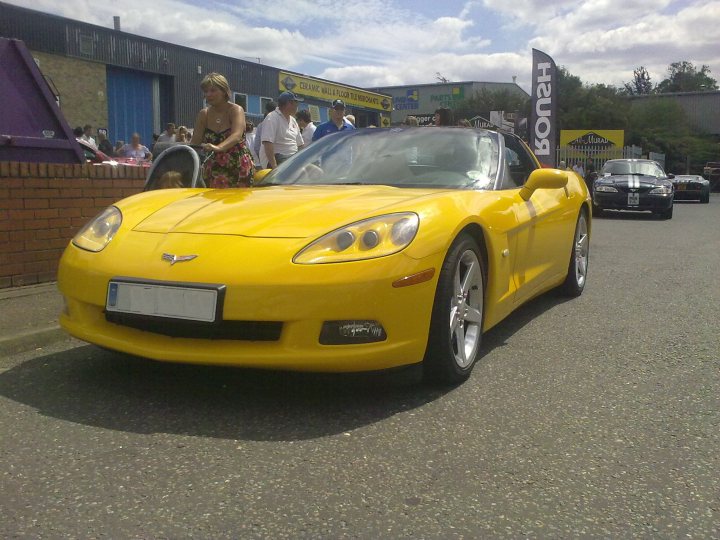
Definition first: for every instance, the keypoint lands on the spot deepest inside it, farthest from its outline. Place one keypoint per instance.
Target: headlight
(97, 233)
(606, 189)
(367, 239)
(662, 190)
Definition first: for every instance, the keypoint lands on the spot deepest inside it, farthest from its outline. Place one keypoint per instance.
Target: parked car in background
(711, 172)
(633, 184)
(691, 187)
(92, 154)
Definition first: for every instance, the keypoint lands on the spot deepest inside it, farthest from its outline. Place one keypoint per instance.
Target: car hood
(686, 180)
(631, 180)
(279, 212)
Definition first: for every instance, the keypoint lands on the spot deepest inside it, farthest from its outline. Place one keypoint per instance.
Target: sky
(372, 43)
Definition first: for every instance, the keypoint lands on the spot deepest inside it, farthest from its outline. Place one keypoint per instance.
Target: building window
(240, 99)
(86, 45)
(264, 101)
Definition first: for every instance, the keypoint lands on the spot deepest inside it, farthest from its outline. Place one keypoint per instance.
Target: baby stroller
(177, 166)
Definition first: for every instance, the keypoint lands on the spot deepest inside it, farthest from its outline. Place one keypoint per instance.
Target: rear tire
(579, 256)
(705, 199)
(457, 315)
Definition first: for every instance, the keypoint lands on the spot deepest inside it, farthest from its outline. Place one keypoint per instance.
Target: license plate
(681, 187)
(161, 300)
(633, 199)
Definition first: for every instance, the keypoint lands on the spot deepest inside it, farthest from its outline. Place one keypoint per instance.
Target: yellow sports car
(369, 249)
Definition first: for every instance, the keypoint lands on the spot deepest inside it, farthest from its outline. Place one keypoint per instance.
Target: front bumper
(691, 193)
(619, 201)
(261, 286)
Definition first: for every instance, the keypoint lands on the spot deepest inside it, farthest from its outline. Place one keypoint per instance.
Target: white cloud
(385, 44)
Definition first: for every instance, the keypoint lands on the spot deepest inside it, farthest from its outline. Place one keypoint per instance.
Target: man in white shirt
(307, 127)
(168, 135)
(87, 136)
(281, 137)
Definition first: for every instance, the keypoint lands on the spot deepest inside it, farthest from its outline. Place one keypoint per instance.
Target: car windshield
(647, 168)
(401, 157)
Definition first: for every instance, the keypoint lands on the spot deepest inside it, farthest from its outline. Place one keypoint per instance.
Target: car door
(542, 243)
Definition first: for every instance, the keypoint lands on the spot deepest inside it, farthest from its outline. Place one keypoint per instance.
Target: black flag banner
(543, 126)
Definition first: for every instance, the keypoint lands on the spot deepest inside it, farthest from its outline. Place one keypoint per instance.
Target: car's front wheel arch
(455, 334)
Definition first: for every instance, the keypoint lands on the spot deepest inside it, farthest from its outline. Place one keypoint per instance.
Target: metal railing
(599, 154)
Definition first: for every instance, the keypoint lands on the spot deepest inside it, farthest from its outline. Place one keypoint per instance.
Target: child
(171, 179)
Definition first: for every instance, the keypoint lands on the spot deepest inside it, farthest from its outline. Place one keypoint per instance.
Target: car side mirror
(543, 179)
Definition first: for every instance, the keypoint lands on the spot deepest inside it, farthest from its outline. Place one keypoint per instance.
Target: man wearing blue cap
(281, 135)
(337, 121)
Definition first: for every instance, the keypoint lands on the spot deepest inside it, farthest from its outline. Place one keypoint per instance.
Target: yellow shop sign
(602, 138)
(309, 87)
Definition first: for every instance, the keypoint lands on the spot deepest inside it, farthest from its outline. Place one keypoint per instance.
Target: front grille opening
(230, 330)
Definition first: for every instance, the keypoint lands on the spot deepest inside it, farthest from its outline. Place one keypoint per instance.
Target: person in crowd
(103, 144)
(135, 149)
(118, 146)
(250, 133)
(578, 168)
(170, 180)
(351, 118)
(220, 128)
(411, 121)
(443, 117)
(87, 136)
(270, 106)
(337, 122)
(181, 135)
(281, 137)
(562, 166)
(168, 135)
(78, 132)
(307, 128)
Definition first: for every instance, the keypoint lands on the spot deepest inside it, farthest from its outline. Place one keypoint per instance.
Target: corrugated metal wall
(130, 105)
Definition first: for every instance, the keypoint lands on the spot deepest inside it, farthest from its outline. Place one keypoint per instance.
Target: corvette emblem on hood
(172, 259)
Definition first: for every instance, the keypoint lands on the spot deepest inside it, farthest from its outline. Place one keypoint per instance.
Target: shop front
(369, 108)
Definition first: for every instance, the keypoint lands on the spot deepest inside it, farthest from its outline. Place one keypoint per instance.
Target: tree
(641, 84)
(589, 107)
(684, 77)
(483, 101)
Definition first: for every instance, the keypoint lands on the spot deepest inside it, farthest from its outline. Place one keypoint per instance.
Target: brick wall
(43, 205)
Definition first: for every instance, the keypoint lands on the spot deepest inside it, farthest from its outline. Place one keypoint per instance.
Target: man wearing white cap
(281, 135)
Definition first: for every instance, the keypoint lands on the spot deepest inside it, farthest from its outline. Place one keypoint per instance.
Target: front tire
(579, 257)
(666, 214)
(457, 315)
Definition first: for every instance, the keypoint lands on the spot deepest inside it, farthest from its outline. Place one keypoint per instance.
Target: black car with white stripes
(633, 184)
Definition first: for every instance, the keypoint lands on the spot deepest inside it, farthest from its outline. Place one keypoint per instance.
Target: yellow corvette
(369, 249)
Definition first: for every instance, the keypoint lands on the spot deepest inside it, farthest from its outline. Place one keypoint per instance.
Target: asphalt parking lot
(596, 417)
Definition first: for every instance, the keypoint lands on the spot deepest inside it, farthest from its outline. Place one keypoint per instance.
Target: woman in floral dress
(220, 128)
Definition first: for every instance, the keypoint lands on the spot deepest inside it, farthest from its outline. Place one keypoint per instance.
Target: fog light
(348, 332)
